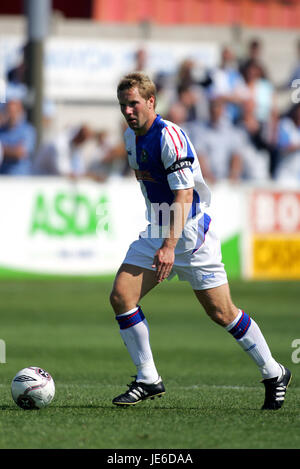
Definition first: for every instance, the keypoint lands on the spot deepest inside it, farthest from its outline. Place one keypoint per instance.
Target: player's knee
(223, 317)
(215, 315)
(120, 302)
(116, 300)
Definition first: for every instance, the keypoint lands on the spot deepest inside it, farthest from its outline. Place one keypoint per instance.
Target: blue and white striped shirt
(164, 160)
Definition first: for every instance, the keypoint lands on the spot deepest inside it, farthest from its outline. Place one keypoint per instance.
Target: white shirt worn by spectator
(228, 82)
(288, 170)
(59, 158)
(255, 162)
(218, 143)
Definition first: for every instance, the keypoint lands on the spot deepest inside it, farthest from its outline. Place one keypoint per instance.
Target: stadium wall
(261, 13)
(266, 13)
(55, 226)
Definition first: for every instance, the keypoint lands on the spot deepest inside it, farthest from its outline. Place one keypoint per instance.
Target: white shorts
(203, 268)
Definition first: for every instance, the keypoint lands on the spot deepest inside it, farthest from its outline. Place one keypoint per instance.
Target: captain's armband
(178, 165)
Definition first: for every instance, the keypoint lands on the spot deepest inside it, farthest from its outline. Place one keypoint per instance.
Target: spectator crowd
(230, 114)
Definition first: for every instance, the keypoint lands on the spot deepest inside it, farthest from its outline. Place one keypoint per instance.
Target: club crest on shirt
(144, 156)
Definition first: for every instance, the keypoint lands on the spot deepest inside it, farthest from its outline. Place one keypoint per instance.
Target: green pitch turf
(213, 388)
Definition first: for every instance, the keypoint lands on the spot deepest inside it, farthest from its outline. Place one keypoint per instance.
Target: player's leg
(218, 305)
(205, 272)
(131, 284)
(220, 308)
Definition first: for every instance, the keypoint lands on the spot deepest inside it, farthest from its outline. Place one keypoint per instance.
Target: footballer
(179, 240)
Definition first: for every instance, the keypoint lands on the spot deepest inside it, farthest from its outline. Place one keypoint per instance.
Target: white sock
(249, 336)
(134, 331)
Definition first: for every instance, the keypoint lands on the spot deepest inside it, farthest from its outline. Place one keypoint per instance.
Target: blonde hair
(139, 80)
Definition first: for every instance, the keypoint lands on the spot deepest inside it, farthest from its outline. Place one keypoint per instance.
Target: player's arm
(165, 256)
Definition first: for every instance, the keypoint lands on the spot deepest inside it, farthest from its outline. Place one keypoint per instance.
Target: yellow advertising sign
(274, 234)
(276, 257)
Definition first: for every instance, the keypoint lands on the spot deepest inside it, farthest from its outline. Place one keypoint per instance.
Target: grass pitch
(213, 388)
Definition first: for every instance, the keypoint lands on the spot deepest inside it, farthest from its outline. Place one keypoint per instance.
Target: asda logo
(67, 214)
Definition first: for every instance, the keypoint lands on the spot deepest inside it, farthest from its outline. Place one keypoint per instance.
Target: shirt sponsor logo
(144, 175)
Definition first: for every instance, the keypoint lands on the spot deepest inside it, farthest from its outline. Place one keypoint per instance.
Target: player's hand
(163, 262)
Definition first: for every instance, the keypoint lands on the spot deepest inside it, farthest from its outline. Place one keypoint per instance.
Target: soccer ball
(32, 388)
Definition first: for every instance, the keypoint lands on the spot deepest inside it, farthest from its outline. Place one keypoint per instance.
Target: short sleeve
(177, 156)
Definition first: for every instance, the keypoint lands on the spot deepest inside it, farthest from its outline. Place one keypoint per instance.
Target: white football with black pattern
(32, 388)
